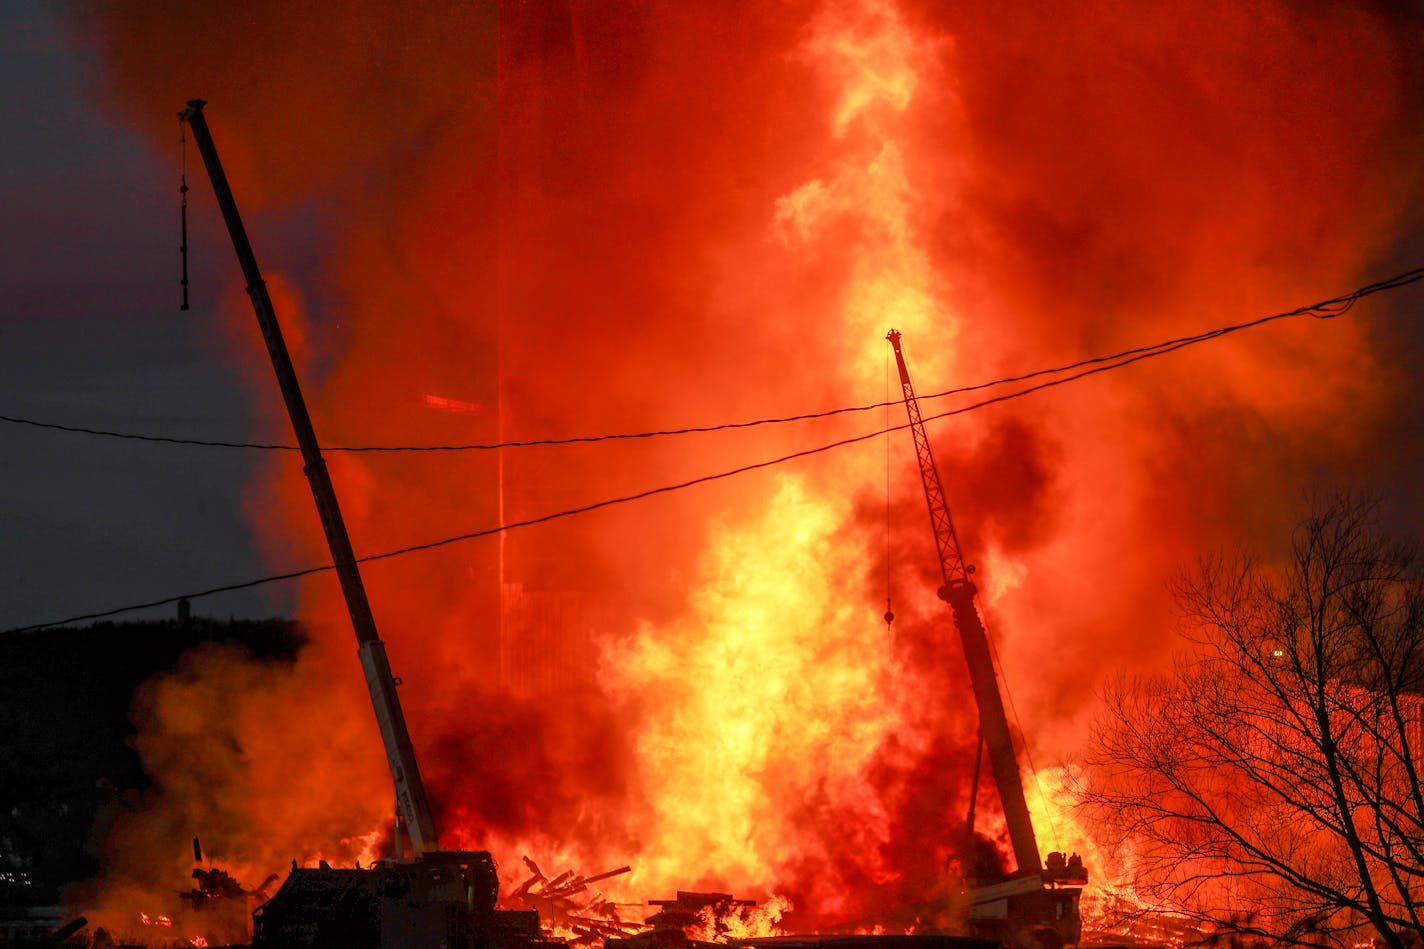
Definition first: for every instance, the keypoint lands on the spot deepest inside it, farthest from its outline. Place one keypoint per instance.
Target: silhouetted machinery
(434, 898)
(1037, 906)
(441, 898)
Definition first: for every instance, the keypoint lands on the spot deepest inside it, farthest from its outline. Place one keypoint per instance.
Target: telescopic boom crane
(411, 802)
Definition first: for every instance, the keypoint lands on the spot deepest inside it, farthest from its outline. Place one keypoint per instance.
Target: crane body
(1028, 893)
(412, 806)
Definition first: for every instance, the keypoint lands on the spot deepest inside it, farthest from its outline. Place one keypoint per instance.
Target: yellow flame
(1110, 905)
(777, 685)
(741, 922)
(767, 688)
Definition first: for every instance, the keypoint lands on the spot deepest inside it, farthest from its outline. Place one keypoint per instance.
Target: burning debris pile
(717, 917)
(568, 909)
(702, 915)
(217, 890)
(705, 920)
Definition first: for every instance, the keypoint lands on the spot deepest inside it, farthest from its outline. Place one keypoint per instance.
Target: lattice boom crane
(958, 591)
(1038, 905)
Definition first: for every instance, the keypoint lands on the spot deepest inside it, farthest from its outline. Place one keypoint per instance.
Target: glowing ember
(452, 405)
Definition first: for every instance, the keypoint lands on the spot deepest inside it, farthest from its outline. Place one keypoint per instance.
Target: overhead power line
(1324, 310)
(1088, 367)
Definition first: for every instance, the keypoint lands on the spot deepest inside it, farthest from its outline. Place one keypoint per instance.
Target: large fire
(574, 218)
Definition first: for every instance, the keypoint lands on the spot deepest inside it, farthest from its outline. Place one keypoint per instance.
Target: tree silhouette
(1268, 784)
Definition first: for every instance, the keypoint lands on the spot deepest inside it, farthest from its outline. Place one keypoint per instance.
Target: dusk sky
(92, 336)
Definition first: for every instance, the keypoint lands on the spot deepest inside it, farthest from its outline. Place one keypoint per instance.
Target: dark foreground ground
(65, 752)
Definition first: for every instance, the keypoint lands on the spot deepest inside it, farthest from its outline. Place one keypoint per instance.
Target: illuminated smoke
(648, 216)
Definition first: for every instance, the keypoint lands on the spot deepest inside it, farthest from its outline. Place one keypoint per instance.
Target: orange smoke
(619, 218)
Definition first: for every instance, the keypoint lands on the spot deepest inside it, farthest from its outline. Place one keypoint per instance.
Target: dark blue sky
(91, 334)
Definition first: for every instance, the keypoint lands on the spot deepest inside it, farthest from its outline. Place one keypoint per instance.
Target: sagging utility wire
(1326, 309)
(625, 499)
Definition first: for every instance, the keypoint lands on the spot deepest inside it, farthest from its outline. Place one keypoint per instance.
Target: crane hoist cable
(889, 610)
(183, 206)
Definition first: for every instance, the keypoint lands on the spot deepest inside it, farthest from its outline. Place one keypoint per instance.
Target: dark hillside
(65, 733)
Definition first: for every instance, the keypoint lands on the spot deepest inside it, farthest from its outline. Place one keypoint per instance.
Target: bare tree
(1268, 785)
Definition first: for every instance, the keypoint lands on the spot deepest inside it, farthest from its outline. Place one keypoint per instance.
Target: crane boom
(400, 754)
(958, 591)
